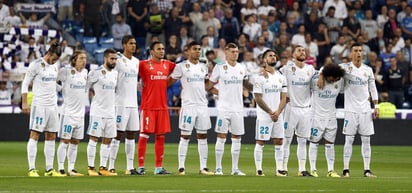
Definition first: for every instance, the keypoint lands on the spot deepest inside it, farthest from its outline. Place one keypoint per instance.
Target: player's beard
(272, 64)
(111, 66)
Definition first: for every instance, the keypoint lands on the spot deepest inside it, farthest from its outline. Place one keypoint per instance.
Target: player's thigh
(95, 127)
(109, 128)
(304, 122)
(222, 122)
(162, 122)
(366, 124)
(202, 123)
(147, 121)
(133, 120)
(317, 129)
(187, 119)
(263, 129)
(66, 128)
(37, 118)
(78, 131)
(278, 130)
(331, 130)
(52, 119)
(291, 121)
(122, 118)
(237, 124)
(350, 123)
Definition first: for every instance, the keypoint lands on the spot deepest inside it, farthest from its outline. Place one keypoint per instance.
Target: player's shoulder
(37, 61)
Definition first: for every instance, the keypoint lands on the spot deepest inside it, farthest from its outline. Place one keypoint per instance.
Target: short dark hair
(356, 44)
(294, 47)
(109, 51)
(126, 38)
(270, 50)
(192, 43)
(154, 44)
(55, 49)
(333, 70)
(209, 52)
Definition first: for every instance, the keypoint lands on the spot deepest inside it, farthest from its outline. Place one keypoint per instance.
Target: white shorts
(267, 129)
(127, 119)
(230, 122)
(361, 123)
(71, 127)
(197, 117)
(323, 128)
(297, 120)
(102, 127)
(44, 118)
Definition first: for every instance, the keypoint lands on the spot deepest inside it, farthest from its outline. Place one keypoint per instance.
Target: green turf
(392, 164)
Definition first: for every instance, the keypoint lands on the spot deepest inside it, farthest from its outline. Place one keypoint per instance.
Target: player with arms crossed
(194, 112)
(299, 75)
(73, 80)
(43, 111)
(102, 112)
(154, 115)
(359, 86)
(127, 115)
(324, 124)
(270, 95)
(231, 78)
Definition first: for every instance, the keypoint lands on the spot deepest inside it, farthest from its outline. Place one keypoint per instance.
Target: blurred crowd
(326, 28)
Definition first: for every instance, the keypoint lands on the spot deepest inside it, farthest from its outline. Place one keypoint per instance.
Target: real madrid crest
(225, 68)
(364, 74)
(336, 86)
(241, 73)
(201, 70)
(124, 60)
(104, 72)
(280, 80)
(43, 65)
(72, 72)
(150, 65)
(187, 66)
(350, 68)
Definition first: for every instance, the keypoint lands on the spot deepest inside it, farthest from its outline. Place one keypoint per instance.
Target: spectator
(252, 28)
(407, 23)
(173, 23)
(216, 22)
(339, 5)
(195, 15)
(248, 9)
(30, 51)
(183, 8)
(5, 93)
(394, 81)
(297, 12)
(260, 47)
(173, 50)
(248, 100)
(377, 44)
(390, 26)
(219, 9)
(407, 51)
(312, 46)
(244, 45)
(383, 17)
(137, 12)
(4, 10)
(164, 6)
(252, 67)
(353, 24)
(92, 18)
(184, 39)
(333, 25)
(369, 25)
(65, 10)
(12, 19)
(212, 40)
(34, 21)
(359, 13)
(282, 44)
(120, 29)
(299, 38)
(154, 24)
(67, 53)
(312, 22)
(339, 50)
(264, 9)
(402, 13)
(204, 47)
(386, 55)
(321, 38)
(230, 27)
(201, 26)
(269, 36)
(398, 40)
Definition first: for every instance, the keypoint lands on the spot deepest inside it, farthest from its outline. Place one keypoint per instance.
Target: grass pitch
(392, 165)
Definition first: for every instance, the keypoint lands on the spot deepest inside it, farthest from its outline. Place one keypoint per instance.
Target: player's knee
(259, 142)
(65, 141)
(49, 135)
(201, 136)
(366, 139)
(130, 135)
(278, 141)
(185, 137)
(74, 141)
(349, 139)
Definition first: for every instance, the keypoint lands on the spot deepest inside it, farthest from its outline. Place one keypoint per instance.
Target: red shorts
(154, 121)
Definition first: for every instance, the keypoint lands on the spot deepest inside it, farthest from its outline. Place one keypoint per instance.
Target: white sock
(366, 151)
(313, 155)
(91, 152)
(279, 157)
(203, 150)
(219, 150)
(114, 148)
(301, 153)
(31, 153)
(286, 152)
(235, 150)
(182, 151)
(104, 154)
(258, 154)
(49, 149)
(129, 148)
(61, 155)
(347, 151)
(330, 156)
(71, 156)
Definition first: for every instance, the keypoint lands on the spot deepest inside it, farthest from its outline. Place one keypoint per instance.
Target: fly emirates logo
(159, 76)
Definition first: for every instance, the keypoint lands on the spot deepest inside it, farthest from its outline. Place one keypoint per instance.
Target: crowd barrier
(14, 127)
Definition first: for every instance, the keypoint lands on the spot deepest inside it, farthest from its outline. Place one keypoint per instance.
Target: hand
(274, 116)
(320, 83)
(376, 113)
(25, 108)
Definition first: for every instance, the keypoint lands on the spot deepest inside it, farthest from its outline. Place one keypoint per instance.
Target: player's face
(158, 51)
(299, 54)
(232, 54)
(81, 61)
(271, 59)
(194, 52)
(110, 61)
(52, 59)
(332, 79)
(130, 46)
(356, 53)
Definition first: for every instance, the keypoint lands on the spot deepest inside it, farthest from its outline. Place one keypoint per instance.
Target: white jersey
(298, 83)
(126, 90)
(230, 86)
(44, 78)
(104, 84)
(192, 77)
(359, 82)
(271, 89)
(74, 91)
(5, 97)
(323, 100)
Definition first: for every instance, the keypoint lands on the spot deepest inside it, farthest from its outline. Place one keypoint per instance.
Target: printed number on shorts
(187, 119)
(314, 131)
(95, 124)
(219, 123)
(118, 119)
(67, 128)
(345, 123)
(39, 120)
(264, 130)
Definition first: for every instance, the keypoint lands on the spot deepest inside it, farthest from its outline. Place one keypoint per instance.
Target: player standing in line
(299, 75)
(43, 111)
(154, 114)
(324, 124)
(73, 80)
(102, 112)
(270, 95)
(194, 111)
(127, 115)
(231, 78)
(359, 82)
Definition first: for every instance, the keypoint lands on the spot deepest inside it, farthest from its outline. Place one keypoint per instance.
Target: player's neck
(78, 68)
(107, 68)
(128, 55)
(357, 63)
(270, 69)
(299, 64)
(156, 59)
(193, 61)
(232, 63)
